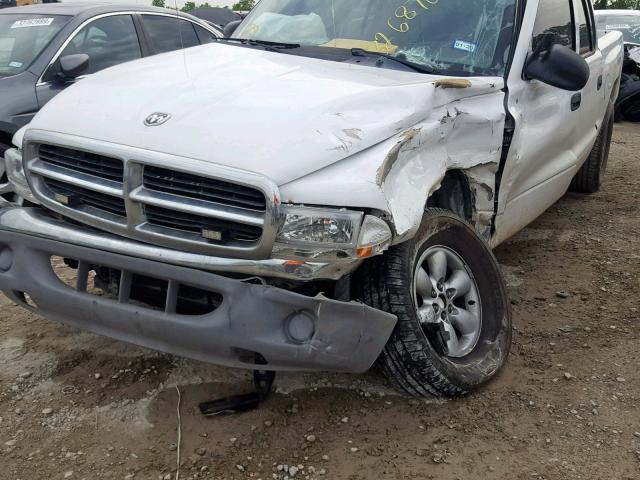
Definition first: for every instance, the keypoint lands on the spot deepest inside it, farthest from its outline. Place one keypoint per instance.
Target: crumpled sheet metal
(460, 128)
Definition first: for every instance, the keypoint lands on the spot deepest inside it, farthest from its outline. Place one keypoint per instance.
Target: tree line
(241, 5)
(621, 4)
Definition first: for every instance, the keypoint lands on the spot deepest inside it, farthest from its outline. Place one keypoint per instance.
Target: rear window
(24, 37)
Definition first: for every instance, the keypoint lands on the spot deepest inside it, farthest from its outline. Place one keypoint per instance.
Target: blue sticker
(465, 46)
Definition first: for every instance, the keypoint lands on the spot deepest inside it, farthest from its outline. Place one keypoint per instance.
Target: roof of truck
(76, 8)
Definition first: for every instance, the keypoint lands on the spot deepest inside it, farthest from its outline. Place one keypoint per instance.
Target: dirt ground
(77, 406)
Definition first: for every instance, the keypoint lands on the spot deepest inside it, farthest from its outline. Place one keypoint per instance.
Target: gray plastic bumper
(344, 337)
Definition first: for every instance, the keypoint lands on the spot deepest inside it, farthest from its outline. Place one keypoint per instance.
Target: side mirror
(72, 66)
(558, 66)
(230, 27)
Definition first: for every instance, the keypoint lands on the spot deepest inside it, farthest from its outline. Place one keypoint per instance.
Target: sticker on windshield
(465, 46)
(32, 22)
(15, 64)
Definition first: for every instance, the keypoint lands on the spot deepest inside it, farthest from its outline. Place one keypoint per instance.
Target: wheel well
(615, 90)
(5, 138)
(454, 195)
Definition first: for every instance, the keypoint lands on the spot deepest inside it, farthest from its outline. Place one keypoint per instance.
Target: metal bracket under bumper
(347, 337)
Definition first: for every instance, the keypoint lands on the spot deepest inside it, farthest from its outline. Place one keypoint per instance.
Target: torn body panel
(462, 129)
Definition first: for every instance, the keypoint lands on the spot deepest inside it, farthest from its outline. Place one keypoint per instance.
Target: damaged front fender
(461, 129)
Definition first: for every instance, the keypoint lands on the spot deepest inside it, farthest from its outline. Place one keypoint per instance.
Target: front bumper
(253, 321)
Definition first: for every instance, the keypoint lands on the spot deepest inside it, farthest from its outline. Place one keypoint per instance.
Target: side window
(554, 24)
(584, 28)
(108, 41)
(204, 35)
(169, 33)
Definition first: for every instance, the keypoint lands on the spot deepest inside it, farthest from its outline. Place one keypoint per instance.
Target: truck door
(542, 157)
(592, 96)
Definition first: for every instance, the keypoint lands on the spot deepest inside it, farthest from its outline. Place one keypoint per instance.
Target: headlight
(15, 174)
(330, 235)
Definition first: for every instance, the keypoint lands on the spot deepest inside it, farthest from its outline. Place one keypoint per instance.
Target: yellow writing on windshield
(253, 29)
(401, 23)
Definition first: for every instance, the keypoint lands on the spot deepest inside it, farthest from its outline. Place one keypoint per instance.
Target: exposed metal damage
(465, 135)
(460, 127)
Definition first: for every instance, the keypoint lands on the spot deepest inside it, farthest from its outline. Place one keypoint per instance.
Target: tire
(414, 358)
(590, 176)
(632, 111)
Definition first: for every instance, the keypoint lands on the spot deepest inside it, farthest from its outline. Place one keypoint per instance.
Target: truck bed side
(612, 47)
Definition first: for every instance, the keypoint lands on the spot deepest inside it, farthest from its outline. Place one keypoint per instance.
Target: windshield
(471, 36)
(23, 38)
(629, 25)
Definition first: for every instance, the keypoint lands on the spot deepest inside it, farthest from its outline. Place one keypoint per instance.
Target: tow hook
(263, 382)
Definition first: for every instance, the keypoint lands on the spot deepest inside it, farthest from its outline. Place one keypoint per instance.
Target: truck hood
(277, 114)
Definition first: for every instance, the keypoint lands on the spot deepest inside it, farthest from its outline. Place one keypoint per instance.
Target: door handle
(599, 82)
(576, 101)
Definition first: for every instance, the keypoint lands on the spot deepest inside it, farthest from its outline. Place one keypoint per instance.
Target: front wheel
(454, 320)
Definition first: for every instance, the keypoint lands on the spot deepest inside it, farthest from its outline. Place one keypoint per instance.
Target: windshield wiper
(360, 52)
(261, 43)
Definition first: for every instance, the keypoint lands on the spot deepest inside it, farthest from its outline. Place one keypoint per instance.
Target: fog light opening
(6, 258)
(300, 327)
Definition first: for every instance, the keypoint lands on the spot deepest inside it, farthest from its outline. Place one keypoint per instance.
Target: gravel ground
(77, 406)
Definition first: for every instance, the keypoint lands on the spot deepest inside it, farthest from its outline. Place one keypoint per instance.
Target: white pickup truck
(319, 191)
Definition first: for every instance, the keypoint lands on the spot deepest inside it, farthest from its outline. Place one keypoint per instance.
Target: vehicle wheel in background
(591, 174)
(454, 318)
(632, 111)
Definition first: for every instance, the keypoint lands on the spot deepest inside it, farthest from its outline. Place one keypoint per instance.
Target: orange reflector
(364, 252)
(294, 262)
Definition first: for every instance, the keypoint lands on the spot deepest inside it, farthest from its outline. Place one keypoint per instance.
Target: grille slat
(201, 188)
(231, 231)
(79, 196)
(84, 162)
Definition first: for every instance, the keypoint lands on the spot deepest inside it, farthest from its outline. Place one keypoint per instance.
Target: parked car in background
(218, 17)
(21, 3)
(46, 48)
(627, 22)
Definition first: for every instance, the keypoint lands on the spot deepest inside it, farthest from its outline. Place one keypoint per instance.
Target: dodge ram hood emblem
(156, 119)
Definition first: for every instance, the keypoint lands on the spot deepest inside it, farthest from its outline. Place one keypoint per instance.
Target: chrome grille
(85, 162)
(85, 199)
(229, 231)
(130, 192)
(200, 188)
